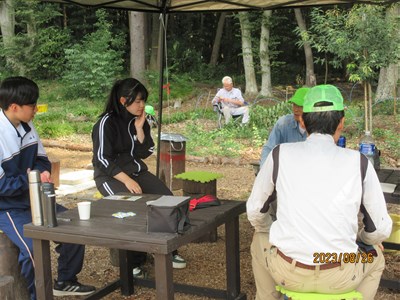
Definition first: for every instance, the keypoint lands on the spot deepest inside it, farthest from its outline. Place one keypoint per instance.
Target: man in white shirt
(320, 191)
(232, 101)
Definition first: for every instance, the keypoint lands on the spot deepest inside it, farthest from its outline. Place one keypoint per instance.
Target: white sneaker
(178, 262)
(139, 273)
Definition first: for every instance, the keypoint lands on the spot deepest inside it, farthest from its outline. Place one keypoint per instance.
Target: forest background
(76, 54)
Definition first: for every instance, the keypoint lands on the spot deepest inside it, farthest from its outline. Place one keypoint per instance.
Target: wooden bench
(9, 266)
(7, 288)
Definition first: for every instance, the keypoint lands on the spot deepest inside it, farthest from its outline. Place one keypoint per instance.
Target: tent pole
(160, 92)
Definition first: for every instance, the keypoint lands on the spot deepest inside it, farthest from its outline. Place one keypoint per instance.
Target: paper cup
(84, 210)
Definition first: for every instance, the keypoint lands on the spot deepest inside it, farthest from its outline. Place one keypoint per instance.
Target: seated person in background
(121, 140)
(20, 151)
(287, 129)
(232, 101)
(314, 243)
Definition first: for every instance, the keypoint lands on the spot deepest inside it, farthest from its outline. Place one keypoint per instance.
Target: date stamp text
(345, 257)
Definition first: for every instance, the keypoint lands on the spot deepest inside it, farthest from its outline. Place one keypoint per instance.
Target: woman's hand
(133, 186)
(139, 121)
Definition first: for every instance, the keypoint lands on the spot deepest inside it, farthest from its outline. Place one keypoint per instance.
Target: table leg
(164, 276)
(125, 272)
(232, 258)
(43, 279)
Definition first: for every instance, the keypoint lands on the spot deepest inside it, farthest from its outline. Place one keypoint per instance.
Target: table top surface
(105, 230)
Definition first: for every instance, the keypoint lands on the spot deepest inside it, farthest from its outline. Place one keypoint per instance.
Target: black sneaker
(71, 288)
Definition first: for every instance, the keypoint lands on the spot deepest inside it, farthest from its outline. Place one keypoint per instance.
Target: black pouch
(168, 214)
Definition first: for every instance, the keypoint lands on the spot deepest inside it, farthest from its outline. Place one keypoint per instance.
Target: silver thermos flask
(49, 204)
(34, 194)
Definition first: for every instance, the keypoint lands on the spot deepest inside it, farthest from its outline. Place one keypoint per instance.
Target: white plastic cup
(84, 210)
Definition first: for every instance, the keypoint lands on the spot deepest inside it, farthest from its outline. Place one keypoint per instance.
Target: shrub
(92, 66)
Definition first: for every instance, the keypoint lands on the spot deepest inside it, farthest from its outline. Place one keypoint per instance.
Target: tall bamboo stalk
(370, 106)
(366, 105)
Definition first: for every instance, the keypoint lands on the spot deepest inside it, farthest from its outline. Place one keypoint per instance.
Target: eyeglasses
(31, 105)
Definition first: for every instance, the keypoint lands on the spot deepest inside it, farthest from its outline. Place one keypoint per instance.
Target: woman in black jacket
(121, 140)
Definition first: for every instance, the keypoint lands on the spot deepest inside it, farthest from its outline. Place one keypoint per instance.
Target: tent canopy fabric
(173, 6)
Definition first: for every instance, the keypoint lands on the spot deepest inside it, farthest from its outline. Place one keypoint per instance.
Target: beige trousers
(242, 110)
(270, 269)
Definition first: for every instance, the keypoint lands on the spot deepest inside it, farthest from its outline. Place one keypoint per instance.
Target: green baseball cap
(323, 93)
(298, 97)
(149, 110)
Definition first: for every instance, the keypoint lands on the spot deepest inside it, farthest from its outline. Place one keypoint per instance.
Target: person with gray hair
(232, 101)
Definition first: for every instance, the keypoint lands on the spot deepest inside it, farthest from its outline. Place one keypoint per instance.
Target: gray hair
(227, 80)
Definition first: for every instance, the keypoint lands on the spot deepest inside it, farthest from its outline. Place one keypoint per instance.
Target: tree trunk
(136, 33)
(388, 76)
(217, 40)
(266, 85)
(155, 38)
(250, 75)
(65, 17)
(310, 75)
(7, 25)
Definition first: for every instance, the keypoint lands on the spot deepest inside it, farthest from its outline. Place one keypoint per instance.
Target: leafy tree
(36, 49)
(93, 65)
(362, 36)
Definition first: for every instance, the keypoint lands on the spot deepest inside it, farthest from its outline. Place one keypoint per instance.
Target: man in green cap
(287, 129)
(315, 245)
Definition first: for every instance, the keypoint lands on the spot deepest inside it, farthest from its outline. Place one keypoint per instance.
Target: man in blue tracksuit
(20, 151)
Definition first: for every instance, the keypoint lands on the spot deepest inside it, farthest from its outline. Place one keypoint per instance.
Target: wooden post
(55, 171)
(197, 189)
(172, 162)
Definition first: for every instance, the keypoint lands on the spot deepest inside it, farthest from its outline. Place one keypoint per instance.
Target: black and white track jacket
(116, 148)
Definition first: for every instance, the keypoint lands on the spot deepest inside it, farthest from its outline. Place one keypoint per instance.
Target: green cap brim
(298, 97)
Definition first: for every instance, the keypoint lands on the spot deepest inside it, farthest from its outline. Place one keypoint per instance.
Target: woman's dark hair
(19, 90)
(130, 88)
(322, 122)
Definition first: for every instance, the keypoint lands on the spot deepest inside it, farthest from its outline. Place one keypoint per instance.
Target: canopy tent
(180, 6)
(174, 6)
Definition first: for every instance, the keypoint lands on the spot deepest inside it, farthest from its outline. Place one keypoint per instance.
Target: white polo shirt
(319, 197)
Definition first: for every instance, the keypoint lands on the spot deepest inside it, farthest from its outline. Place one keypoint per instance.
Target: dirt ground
(206, 261)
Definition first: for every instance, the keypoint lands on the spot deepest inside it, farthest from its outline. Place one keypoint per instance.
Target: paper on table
(388, 187)
(167, 200)
(122, 197)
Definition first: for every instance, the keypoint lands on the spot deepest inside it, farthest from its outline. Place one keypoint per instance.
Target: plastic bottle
(34, 195)
(367, 146)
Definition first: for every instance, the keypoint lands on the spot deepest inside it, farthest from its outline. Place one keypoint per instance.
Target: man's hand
(45, 176)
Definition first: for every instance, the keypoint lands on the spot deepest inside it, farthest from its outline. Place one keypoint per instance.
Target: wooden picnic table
(130, 234)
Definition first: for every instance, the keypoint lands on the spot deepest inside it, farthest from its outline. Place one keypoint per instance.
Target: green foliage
(176, 117)
(64, 116)
(37, 50)
(93, 65)
(364, 36)
(263, 118)
(215, 142)
(181, 87)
